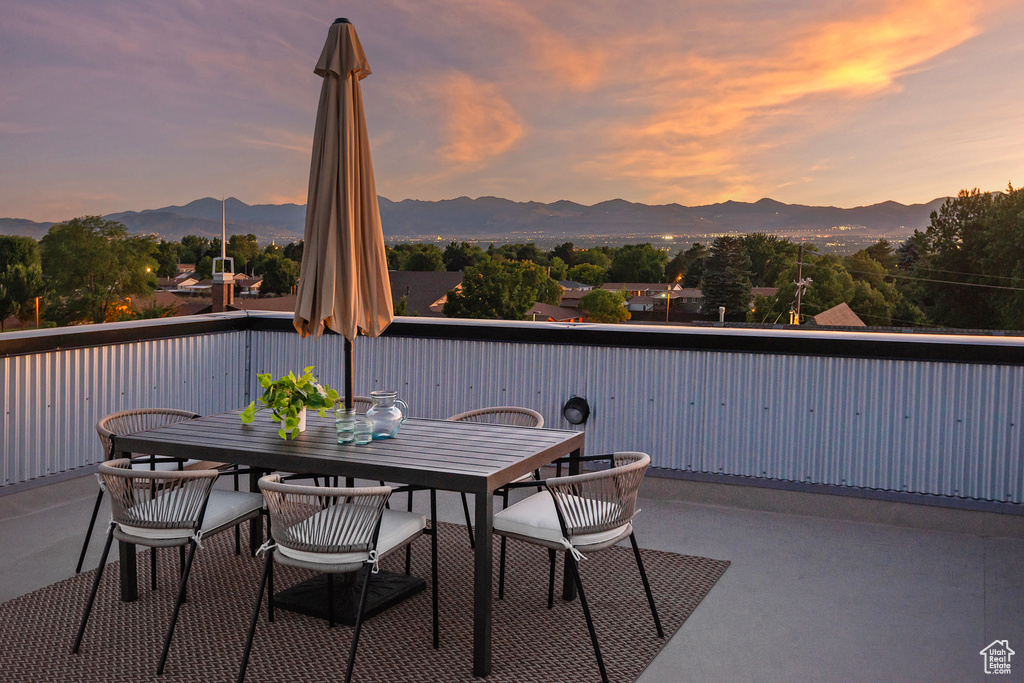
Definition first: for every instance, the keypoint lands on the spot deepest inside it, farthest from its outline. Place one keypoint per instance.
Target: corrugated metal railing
(944, 428)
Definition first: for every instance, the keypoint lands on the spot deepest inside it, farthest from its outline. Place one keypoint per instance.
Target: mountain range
(505, 220)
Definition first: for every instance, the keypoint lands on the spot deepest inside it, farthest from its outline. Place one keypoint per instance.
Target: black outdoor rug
(530, 642)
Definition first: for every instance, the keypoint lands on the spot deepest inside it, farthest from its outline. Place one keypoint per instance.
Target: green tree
(559, 270)
(293, 250)
(459, 256)
(638, 263)
(588, 274)
(91, 263)
(566, 252)
(676, 269)
(279, 274)
(168, 255)
(603, 306)
(547, 290)
(426, 257)
(7, 307)
(23, 284)
(193, 248)
(884, 252)
(204, 268)
(726, 280)
(769, 255)
(493, 289)
(244, 249)
(15, 249)
(595, 257)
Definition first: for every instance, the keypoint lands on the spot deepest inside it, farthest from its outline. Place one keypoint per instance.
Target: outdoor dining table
(453, 456)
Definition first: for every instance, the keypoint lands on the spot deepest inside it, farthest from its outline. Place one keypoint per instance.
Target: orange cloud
(480, 123)
(711, 113)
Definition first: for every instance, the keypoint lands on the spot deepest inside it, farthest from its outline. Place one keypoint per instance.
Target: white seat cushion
(222, 508)
(397, 528)
(535, 517)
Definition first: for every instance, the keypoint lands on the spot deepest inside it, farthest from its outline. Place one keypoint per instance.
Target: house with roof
(425, 292)
(839, 315)
(554, 314)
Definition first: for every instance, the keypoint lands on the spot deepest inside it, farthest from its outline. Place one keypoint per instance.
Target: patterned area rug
(530, 642)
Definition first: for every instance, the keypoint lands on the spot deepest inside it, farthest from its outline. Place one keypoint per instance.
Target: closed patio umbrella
(343, 283)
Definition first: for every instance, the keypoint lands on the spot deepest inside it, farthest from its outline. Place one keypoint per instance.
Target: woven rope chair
(129, 422)
(500, 415)
(166, 509)
(335, 530)
(583, 514)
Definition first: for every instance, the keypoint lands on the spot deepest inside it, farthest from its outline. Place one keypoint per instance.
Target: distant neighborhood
(959, 273)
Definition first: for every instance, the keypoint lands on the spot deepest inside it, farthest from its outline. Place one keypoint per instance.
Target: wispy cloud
(712, 113)
(480, 123)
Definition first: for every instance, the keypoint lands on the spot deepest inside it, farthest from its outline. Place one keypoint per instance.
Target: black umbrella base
(386, 589)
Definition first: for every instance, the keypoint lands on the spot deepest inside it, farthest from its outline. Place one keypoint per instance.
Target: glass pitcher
(387, 413)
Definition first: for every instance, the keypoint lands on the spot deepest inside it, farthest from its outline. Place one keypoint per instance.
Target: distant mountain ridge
(504, 219)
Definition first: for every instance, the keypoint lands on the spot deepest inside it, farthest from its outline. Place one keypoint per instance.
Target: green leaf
(249, 414)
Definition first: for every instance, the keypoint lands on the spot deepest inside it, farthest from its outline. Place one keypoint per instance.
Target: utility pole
(801, 285)
(799, 280)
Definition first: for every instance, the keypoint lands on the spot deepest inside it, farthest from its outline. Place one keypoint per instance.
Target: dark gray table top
(455, 456)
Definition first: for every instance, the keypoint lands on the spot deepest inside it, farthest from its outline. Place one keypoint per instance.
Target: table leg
(482, 584)
(568, 584)
(129, 572)
(256, 523)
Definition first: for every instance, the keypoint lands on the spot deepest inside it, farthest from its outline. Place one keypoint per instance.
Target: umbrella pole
(348, 374)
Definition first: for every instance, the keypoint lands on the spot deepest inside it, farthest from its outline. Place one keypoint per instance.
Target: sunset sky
(110, 105)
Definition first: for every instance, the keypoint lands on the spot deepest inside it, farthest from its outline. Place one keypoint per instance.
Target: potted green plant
(288, 398)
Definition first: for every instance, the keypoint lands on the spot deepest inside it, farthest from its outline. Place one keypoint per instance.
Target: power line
(925, 279)
(957, 272)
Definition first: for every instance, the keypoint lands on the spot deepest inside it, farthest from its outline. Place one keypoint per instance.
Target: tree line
(86, 270)
(965, 270)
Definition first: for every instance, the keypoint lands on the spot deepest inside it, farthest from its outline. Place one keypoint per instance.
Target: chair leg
(95, 587)
(88, 533)
(270, 594)
(359, 625)
(408, 548)
(330, 601)
(238, 532)
(647, 586)
(551, 577)
(152, 568)
(181, 571)
(469, 521)
(433, 561)
(267, 563)
(177, 607)
(586, 613)
(501, 571)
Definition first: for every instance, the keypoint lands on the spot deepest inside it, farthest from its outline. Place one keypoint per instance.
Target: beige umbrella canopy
(343, 283)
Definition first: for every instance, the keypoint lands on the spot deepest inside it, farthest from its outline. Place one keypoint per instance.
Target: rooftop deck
(908, 574)
(849, 590)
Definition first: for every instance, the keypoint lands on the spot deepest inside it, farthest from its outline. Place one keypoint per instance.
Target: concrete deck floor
(845, 591)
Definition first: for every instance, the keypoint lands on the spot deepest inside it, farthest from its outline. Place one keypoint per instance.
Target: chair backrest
(131, 421)
(156, 499)
(324, 519)
(361, 403)
(502, 415)
(599, 501)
